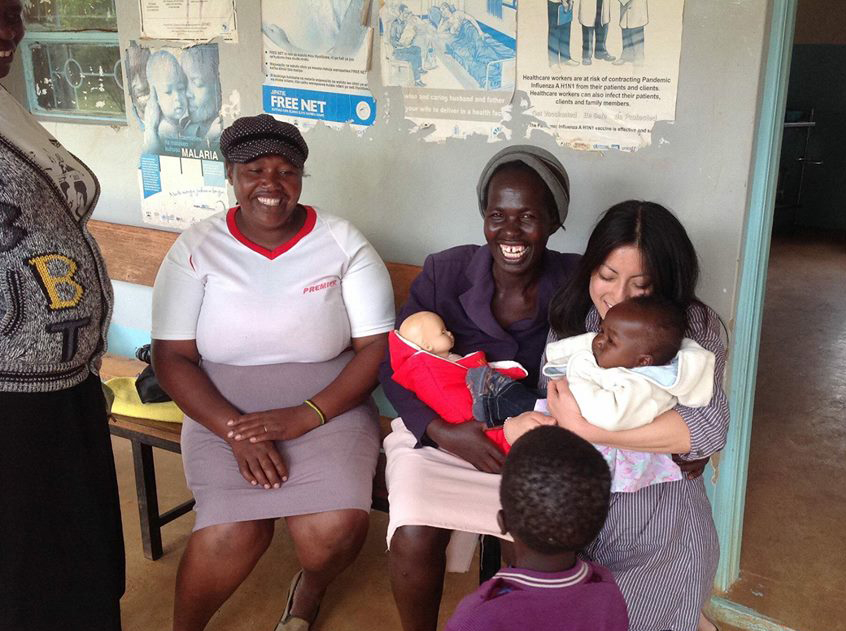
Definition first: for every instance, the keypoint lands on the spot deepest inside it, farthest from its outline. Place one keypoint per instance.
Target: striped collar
(547, 580)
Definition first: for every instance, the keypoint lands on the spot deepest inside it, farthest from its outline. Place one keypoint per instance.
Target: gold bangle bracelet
(317, 411)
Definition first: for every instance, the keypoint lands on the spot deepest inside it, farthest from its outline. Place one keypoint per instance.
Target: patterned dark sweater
(55, 294)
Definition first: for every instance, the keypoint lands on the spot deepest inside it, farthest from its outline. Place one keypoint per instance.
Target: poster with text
(316, 57)
(599, 73)
(188, 20)
(176, 100)
(456, 62)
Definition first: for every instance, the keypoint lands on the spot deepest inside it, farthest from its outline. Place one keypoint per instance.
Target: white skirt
(432, 487)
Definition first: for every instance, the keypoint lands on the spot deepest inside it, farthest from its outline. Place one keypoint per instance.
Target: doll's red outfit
(440, 383)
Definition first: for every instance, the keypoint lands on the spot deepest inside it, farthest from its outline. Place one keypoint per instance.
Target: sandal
(708, 620)
(289, 622)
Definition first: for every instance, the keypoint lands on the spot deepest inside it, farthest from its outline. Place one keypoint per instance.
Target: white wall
(411, 197)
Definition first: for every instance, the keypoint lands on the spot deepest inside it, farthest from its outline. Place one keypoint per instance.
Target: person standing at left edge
(61, 544)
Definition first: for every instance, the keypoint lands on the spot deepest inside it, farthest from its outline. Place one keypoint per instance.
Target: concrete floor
(359, 600)
(793, 562)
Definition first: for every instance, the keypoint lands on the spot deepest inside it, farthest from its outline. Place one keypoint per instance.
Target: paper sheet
(316, 57)
(176, 99)
(599, 73)
(188, 20)
(456, 63)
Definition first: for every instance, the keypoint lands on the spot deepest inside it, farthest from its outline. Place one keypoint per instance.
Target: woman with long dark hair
(659, 542)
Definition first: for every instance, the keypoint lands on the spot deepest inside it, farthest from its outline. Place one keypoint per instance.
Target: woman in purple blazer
(443, 478)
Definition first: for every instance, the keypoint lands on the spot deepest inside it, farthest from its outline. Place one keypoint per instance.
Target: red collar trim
(308, 226)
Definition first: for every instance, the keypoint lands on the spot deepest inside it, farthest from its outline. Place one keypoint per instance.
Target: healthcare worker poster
(176, 100)
(600, 73)
(456, 62)
(316, 57)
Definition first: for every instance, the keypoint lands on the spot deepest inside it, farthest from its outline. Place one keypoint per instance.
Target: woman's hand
(260, 464)
(562, 404)
(515, 426)
(564, 407)
(467, 441)
(278, 424)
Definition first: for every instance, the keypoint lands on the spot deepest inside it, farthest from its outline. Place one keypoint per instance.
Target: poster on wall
(316, 58)
(456, 62)
(188, 20)
(176, 100)
(599, 73)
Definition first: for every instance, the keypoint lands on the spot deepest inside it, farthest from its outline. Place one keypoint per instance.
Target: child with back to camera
(637, 366)
(554, 493)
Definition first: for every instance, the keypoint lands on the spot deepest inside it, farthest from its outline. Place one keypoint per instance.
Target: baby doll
(638, 366)
(422, 362)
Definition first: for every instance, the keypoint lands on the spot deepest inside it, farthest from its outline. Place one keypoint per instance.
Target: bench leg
(148, 501)
(489, 558)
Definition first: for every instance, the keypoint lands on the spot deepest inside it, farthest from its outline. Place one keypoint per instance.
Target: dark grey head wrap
(546, 165)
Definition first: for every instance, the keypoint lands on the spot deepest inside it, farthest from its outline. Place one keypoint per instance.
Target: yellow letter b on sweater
(55, 274)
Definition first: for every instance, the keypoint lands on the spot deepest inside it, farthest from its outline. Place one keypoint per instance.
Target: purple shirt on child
(583, 598)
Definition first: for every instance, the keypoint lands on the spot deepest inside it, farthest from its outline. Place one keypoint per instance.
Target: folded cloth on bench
(128, 403)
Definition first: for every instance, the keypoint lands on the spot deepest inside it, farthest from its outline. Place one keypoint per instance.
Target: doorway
(794, 540)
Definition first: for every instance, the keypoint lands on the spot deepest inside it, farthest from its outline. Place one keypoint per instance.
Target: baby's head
(165, 75)
(554, 491)
(642, 331)
(427, 330)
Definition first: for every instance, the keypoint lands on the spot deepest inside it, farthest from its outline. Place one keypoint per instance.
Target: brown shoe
(289, 622)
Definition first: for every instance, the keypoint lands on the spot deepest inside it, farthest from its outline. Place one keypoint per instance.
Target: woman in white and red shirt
(269, 323)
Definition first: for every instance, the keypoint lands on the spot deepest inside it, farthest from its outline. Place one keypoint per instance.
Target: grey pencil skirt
(329, 468)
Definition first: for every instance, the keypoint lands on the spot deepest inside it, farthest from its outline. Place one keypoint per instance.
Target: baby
(168, 86)
(638, 366)
(422, 362)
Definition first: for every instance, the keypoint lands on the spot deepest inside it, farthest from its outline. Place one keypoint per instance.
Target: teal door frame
(730, 492)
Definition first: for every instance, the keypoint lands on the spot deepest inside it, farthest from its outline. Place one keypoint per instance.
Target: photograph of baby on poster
(176, 96)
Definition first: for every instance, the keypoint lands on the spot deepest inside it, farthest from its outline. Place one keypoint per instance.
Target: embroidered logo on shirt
(55, 274)
(320, 286)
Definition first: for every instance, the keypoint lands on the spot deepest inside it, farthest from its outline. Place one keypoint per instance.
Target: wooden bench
(144, 434)
(133, 255)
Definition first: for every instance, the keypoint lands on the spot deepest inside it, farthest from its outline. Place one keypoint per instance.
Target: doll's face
(439, 339)
(428, 331)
